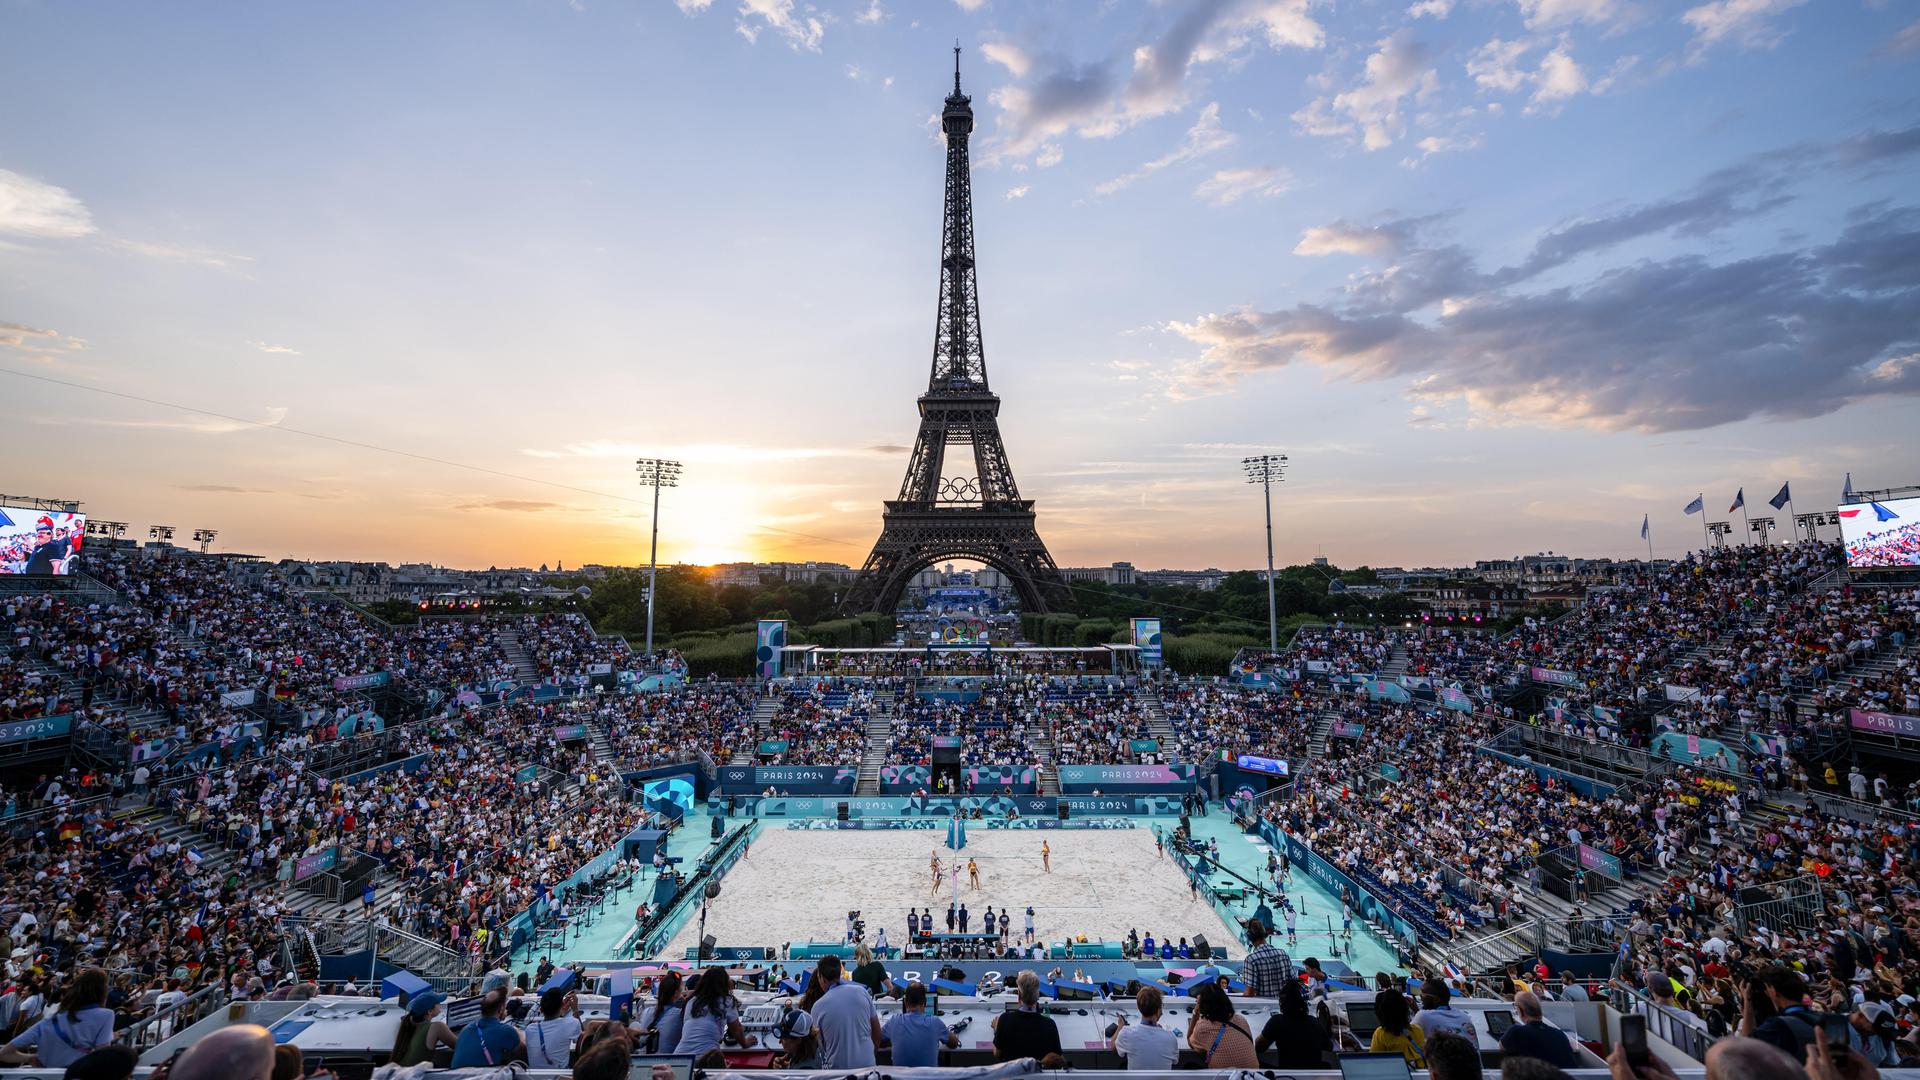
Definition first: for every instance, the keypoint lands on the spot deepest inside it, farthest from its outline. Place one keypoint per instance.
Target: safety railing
(145, 1034)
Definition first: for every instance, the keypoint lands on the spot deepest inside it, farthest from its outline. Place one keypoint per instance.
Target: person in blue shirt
(1184, 950)
(1146, 944)
(490, 1041)
(82, 1025)
(1166, 950)
(916, 1038)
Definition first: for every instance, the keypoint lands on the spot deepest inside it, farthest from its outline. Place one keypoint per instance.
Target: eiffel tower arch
(959, 499)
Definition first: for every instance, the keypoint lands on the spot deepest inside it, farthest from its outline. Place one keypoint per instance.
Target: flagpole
(1744, 523)
(1649, 522)
(1791, 524)
(1706, 539)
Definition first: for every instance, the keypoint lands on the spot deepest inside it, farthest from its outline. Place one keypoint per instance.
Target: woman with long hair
(713, 1015)
(82, 1025)
(1397, 1034)
(421, 1030)
(661, 1022)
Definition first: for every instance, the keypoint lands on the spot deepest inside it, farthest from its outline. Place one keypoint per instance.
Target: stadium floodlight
(1268, 470)
(162, 533)
(205, 538)
(656, 473)
(1718, 532)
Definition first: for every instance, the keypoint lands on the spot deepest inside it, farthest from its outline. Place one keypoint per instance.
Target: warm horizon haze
(1499, 276)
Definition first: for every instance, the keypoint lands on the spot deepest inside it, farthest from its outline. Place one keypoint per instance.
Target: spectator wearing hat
(421, 1030)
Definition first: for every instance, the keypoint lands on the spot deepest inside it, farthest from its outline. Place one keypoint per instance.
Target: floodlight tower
(162, 533)
(1268, 470)
(205, 538)
(656, 473)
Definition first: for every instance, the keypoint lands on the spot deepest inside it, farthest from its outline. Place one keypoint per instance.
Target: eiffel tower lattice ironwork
(964, 505)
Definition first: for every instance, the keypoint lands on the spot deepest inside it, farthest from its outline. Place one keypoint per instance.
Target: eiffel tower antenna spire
(964, 505)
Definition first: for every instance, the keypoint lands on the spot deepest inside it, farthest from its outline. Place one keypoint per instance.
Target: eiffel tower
(967, 506)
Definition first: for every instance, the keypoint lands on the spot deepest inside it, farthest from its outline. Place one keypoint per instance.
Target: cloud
(1441, 144)
(1341, 238)
(174, 253)
(517, 506)
(1905, 42)
(1439, 9)
(970, 6)
(223, 489)
(30, 207)
(1746, 24)
(197, 425)
(1667, 345)
(692, 7)
(1401, 68)
(1204, 137)
(888, 448)
(1543, 14)
(1231, 185)
(282, 350)
(801, 30)
(1009, 56)
(1497, 67)
(872, 15)
(1018, 192)
(704, 453)
(16, 335)
(1103, 97)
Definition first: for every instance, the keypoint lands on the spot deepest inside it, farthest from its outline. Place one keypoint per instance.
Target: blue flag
(1739, 501)
(1883, 513)
(1644, 519)
(1698, 505)
(1781, 500)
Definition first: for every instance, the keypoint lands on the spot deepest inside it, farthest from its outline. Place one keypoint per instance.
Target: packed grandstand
(228, 790)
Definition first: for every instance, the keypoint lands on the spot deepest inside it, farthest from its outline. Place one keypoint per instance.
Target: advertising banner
(1389, 771)
(1144, 746)
(1681, 693)
(1365, 904)
(360, 682)
(1381, 690)
(1125, 779)
(526, 774)
(1003, 778)
(308, 865)
(1689, 749)
(40, 541)
(237, 697)
(569, 732)
(769, 638)
(902, 779)
(1146, 638)
(1601, 862)
(1771, 745)
(1884, 723)
(793, 779)
(1452, 697)
(1347, 729)
(1552, 677)
(771, 747)
(44, 727)
(1605, 714)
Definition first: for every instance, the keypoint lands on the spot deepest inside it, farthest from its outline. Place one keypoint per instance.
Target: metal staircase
(879, 737)
(1159, 728)
(764, 712)
(524, 670)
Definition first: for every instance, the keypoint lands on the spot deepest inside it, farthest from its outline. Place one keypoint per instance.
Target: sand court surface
(799, 884)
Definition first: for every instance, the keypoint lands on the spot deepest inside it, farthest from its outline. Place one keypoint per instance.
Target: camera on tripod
(859, 925)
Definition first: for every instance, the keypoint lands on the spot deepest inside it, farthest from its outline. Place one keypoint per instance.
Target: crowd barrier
(990, 808)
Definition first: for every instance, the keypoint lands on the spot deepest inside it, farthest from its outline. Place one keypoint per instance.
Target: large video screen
(1881, 533)
(40, 541)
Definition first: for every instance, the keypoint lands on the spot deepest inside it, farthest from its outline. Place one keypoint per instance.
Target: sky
(1498, 276)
